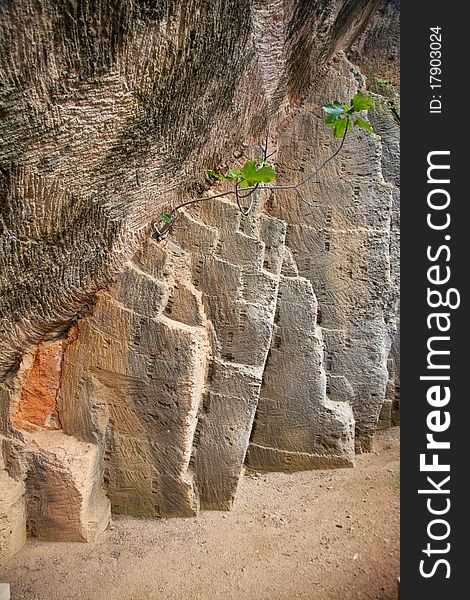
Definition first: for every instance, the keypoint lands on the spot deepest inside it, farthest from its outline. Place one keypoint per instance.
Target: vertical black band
(435, 270)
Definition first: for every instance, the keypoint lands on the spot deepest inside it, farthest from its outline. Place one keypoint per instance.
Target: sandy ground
(322, 535)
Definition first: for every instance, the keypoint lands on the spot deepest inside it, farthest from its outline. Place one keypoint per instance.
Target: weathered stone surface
(239, 284)
(133, 381)
(341, 244)
(53, 482)
(141, 375)
(109, 106)
(297, 426)
(386, 119)
(12, 515)
(37, 406)
(65, 499)
(377, 50)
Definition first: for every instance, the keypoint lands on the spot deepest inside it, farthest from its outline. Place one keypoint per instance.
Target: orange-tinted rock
(37, 406)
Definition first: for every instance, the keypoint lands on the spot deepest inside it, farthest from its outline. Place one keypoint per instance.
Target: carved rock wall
(340, 242)
(142, 378)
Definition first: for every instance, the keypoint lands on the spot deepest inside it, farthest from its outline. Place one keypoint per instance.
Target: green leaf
(340, 126)
(234, 174)
(331, 119)
(364, 124)
(266, 174)
(331, 123)
(252, 175)
(361, 102)
(249, 175)
(219, 175)
(248, 169)
(166, 217)
(335, 109)
(215, 174)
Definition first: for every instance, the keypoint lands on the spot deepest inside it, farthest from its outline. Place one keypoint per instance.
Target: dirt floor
(322, 535)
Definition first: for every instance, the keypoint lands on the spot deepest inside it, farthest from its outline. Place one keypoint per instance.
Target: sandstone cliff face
(141, 377)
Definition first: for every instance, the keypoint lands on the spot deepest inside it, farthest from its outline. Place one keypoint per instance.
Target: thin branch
(194, 200)
(243, 210)
(328, 159)
(164, 231)
(266, 142)
(312, 175)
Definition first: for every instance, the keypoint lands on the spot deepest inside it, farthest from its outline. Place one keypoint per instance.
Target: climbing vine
(255, 174)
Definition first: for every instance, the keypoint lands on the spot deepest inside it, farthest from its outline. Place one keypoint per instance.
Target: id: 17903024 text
(435, 69)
